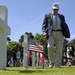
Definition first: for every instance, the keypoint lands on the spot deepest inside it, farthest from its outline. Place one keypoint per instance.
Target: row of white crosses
(25, 57)
(5, 30)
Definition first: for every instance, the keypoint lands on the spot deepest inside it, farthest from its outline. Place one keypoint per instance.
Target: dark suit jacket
(47, 25)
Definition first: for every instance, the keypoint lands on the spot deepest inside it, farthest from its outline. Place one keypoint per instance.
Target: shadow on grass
(24, 70)
(11, 70)
(40, 70)
(31, 71)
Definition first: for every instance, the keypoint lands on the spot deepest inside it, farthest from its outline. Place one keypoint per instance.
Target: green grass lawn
(65, 70)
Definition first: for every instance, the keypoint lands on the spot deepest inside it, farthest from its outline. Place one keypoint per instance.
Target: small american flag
(36, 48)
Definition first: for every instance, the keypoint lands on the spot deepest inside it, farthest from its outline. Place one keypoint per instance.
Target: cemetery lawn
(65, 70)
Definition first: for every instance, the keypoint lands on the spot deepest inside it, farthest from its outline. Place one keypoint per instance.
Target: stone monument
(4, 32)
(25, 57)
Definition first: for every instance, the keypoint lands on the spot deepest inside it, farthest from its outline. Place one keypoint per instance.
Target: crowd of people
(68, 57)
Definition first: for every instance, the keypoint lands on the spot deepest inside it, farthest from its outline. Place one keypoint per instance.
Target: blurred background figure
(10, 62)
(18, 58)
(14, 58)
(69, 53)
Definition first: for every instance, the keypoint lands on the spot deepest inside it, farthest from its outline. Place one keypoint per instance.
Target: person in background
(14, 58)
(11, 62)
(18, 58)
(69, 49)
(55, 29)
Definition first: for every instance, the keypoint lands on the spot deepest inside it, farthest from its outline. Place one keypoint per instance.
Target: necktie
(55, 22)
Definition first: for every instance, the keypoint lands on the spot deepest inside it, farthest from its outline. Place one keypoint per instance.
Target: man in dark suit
(55, 29)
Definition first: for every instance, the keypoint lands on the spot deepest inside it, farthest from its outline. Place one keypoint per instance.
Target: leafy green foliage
(39, 38)
(73, 42)
(13, 46)
(8, 39)
(21, 38)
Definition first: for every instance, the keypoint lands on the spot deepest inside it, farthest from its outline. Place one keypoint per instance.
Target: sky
(27, 15)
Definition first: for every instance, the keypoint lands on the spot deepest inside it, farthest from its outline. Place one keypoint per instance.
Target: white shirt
(18, 55)
(69, 49)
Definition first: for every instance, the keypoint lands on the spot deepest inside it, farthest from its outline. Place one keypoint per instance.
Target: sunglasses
(55, 9)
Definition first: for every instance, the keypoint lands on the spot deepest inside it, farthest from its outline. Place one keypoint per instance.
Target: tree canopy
(14, 46)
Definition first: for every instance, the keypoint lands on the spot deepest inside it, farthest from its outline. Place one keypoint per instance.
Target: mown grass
(65, 70)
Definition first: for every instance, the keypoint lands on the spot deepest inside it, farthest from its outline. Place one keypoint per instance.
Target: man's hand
(45, 35)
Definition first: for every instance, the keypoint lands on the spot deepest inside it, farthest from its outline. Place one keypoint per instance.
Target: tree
(8, 39)
(39, 38)
(65, 43)
(21, 39)
(73, 42)
(14, 46)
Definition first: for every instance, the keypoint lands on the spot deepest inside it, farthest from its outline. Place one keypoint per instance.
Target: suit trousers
(55, 47)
